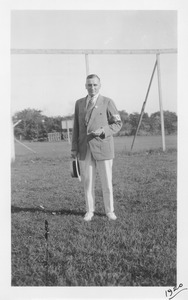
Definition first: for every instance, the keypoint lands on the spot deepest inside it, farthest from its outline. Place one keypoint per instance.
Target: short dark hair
(92, 76)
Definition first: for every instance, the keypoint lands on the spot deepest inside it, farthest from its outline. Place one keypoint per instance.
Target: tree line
(36, 126)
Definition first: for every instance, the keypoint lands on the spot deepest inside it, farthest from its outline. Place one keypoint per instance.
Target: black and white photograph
(94, 144)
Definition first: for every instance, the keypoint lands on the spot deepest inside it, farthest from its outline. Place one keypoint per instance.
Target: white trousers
(89, 167)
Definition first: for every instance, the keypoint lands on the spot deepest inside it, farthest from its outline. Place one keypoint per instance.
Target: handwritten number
(173, 291)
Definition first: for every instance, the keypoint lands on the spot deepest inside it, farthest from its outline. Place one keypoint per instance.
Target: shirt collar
(94, 98)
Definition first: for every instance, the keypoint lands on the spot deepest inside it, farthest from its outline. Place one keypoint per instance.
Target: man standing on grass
(96, 119)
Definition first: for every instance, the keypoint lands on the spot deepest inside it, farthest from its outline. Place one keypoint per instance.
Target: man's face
(93, 86)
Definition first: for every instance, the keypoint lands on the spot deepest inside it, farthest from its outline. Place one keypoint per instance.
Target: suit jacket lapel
(95, 109)
(83, 106)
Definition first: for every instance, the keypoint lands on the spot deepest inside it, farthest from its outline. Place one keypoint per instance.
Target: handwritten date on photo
(171, 293)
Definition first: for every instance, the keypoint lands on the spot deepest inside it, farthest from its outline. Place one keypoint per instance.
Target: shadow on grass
(16, 209)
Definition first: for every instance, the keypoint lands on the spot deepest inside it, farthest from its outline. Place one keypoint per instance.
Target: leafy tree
(124, 116)
(155, 123)
(170, 122)
(126, 126)
(133, 120)
(31, 125)
(34, 125)
(145, 125)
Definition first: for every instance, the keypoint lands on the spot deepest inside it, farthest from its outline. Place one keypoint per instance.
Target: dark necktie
(89, 110)
(90, 104)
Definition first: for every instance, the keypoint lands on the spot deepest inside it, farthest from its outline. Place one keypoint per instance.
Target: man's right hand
(74, 154)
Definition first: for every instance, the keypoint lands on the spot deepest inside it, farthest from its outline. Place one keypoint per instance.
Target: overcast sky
(52, 83)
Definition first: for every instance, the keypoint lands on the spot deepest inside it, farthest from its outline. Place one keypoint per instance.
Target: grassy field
(138, 249)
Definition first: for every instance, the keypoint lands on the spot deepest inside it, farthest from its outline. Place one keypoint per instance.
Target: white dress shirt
(94, 99)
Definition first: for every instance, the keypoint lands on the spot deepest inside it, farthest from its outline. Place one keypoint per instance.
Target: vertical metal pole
(160, 101)
(68, 135)
(12, 140)
(12, 143)
(87, 64)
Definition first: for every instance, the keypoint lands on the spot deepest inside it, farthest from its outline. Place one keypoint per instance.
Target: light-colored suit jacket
(104, 115)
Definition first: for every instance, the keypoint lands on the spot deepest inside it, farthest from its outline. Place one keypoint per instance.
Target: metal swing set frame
(87, 52)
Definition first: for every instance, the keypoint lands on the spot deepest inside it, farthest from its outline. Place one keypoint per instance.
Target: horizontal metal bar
(93, 51)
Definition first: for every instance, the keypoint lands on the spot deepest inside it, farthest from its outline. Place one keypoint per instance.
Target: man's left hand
(98, 133)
